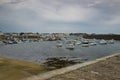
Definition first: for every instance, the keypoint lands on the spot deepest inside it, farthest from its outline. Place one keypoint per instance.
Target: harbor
(59, 39)
(60, 53)
(56, 50)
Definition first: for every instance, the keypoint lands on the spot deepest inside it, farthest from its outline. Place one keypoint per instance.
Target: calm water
(39, 51)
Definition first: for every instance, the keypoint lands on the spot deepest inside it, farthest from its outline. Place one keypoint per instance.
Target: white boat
(78, 43)
(19, 41)
(10, 42)
(92, 43)
(111, 41)
(103, 41)
(59, 45)
(1, 43)
(70, 46)
(85, 43)
(71, 42)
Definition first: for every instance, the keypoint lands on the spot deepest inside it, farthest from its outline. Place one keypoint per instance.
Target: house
(1, 33)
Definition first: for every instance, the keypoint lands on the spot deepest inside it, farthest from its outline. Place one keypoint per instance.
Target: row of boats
(17, 41)
(70, 44)
(85, 43)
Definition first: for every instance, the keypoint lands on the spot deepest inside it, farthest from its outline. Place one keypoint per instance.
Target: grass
(11, 69)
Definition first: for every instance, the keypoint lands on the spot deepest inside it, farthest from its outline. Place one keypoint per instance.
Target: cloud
(57, 10)
(73, 10)
(115, 20)
(10, 1)
(4, 1)
(60, 15)
(70, 14)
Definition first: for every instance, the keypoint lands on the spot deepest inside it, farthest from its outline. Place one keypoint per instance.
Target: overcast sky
(89, 16)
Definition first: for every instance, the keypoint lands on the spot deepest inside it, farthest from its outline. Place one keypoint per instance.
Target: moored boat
(78, 42)
(110, 41)
(1, 43)
(70, 46)
(59, 45)
(92, 43)
(85, 43)
(103, 41)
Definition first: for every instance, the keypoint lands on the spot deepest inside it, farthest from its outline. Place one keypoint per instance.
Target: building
(1, 33)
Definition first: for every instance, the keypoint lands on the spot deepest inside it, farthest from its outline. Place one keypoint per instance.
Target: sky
(61, 16)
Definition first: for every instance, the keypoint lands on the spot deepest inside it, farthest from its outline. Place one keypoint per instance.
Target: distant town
(14, 38)
(55, 36)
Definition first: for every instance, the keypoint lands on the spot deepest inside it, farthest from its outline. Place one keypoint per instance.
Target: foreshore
(107, 68)
(11, 69)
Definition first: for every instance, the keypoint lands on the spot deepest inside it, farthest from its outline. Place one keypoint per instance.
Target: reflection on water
(44, 52)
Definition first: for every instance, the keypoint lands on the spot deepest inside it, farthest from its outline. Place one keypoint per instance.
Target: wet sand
(108, 69)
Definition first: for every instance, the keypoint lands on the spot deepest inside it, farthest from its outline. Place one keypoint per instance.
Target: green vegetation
(16, 70)
(97, 36)
(103, 36)
(57, 63)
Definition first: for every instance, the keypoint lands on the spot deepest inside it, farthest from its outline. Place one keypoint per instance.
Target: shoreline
(23, 70)
(63, 73)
